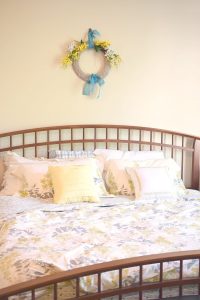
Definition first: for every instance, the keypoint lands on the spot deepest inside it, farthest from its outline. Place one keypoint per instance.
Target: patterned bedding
(38, 238)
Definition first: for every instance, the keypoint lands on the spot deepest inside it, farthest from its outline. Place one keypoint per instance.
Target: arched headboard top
(184, 148)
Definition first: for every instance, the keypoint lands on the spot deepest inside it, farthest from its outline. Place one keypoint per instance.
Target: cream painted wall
(157, 84)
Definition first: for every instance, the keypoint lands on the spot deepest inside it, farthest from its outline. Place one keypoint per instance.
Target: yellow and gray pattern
(38, 238)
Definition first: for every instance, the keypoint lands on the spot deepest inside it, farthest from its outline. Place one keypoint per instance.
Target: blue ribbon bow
(90, 84)
(91, 36)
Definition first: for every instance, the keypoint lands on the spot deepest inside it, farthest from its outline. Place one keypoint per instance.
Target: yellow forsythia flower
(66, 61)
(81, 46)
(75, 54)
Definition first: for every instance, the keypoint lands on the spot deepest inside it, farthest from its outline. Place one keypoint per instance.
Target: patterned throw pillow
(34, 180)
(30, 177)
(116, 178)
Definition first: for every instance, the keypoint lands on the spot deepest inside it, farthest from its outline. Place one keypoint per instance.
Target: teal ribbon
(89, 86)
(91, 36)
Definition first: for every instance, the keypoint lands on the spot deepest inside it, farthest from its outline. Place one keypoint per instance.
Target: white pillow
(105, 155)
(109, 153)
(150, 181)
(133, 155)
(143, 155)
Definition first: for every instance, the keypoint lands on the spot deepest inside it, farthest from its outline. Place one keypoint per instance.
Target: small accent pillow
(150, 181)
(73, 184)
(173, 170)
(30, 178)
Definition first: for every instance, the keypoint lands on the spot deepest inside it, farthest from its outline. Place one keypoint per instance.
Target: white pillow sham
(104, 155)
(143, 155)
(108, 154)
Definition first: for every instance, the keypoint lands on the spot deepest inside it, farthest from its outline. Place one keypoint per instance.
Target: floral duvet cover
(38, 239)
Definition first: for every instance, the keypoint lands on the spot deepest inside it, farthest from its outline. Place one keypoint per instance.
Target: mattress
(40, 238)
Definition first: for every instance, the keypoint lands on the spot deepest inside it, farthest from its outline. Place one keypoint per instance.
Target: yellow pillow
(73, 184)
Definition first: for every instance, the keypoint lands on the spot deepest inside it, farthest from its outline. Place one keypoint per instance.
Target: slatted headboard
(37, 142)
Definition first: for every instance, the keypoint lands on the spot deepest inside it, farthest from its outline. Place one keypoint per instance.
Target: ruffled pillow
(73, 184)
(150, 180)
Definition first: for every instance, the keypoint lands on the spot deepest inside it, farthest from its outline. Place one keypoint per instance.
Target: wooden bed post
(196, 166)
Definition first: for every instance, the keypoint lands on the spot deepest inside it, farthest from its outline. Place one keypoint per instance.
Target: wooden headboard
(37, 142)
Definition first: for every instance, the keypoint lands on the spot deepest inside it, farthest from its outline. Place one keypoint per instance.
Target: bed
(141, 256)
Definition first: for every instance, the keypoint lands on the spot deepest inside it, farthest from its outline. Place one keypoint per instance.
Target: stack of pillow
(47, 178)
(81, 176)
(140, 173)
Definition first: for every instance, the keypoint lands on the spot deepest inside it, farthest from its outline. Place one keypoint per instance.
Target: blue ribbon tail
(91, 36)
(90, 43)
(89, 86)
(88, 89)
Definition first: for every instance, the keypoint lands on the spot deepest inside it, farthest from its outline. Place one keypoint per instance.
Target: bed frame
(184, 148)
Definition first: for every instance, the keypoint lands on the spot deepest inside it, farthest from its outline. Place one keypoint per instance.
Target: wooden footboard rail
(138, 288)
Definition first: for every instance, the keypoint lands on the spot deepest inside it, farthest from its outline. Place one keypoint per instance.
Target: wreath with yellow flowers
(75, 48)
